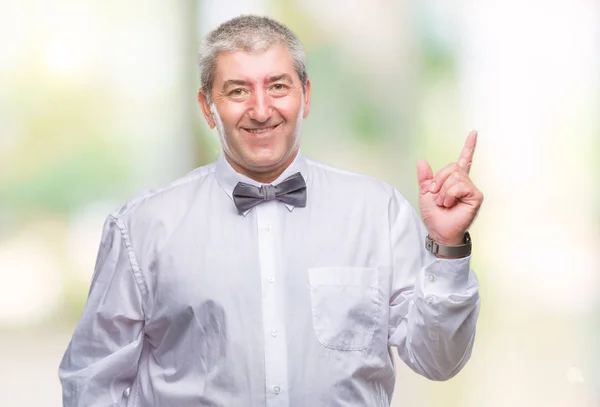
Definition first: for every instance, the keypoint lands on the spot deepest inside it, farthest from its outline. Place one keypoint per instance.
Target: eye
(279, 88)
(238, 92)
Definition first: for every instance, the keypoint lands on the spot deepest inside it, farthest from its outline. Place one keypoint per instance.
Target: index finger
(466, 155)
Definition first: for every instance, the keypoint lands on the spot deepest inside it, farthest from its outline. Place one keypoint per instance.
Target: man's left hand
(449, 201)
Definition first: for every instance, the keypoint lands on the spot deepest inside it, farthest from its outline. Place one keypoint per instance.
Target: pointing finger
(466, 155)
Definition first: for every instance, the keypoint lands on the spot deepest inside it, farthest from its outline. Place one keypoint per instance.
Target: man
(266, 278)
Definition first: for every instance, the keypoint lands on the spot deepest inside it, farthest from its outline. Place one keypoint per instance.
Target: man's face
(258, 107)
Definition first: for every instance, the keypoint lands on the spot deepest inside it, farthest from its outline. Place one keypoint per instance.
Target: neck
(265, 176)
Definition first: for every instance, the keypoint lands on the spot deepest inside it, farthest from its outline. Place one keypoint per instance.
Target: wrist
(454, 250)
(448, 241)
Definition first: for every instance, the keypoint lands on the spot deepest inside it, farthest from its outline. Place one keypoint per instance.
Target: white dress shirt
(193, 304)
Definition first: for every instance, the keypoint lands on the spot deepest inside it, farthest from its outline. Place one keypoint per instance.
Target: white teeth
(259, 131)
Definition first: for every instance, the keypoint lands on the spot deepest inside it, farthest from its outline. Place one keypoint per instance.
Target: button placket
(274, 336)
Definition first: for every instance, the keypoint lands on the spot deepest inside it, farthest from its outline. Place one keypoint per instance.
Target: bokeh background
(97, 102)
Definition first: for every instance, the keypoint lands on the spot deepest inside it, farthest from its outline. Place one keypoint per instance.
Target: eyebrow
(282, 77)
(234, 82)
(239, 82)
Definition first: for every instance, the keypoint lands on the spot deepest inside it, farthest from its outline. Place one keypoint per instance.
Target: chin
(267, 158)
(264, 162)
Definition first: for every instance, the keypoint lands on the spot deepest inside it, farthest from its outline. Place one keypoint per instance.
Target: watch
(462, 250)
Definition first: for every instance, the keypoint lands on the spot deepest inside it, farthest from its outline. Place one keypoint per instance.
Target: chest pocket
(345, 306)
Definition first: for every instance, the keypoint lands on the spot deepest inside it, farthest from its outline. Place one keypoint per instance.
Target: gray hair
(247, 33)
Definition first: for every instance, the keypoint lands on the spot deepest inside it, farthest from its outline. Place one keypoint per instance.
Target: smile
(261, 130)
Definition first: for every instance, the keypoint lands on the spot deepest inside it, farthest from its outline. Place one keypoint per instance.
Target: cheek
(232, 114)
(288, 108)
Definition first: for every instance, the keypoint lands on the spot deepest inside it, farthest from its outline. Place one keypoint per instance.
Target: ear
(307, 99)
(203, 102)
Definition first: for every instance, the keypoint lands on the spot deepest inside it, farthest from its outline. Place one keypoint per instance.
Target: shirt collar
(228, 178)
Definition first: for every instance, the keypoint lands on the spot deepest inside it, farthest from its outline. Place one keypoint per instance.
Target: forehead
(254, 65)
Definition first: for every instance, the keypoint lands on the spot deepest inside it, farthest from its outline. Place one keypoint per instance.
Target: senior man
(266, 278)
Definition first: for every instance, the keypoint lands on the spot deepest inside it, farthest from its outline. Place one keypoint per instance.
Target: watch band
(462, 250)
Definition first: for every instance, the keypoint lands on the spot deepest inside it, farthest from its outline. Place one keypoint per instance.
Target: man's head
(255, 90)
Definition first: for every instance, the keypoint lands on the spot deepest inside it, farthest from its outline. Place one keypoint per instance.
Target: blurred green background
(97, 102)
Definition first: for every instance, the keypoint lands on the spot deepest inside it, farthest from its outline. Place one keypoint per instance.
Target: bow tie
(291, 191)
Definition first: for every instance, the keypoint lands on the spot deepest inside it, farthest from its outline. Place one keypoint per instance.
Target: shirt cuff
(448, 275)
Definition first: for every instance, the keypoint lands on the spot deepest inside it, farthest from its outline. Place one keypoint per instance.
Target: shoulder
(166, 198)
(350, 181)
(357, 193)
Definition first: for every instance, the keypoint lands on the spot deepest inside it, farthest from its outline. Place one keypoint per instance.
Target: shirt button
(268, 228)
(430, 299)
(276, 389)
(271, 279)
(431, 277)
(274, 333)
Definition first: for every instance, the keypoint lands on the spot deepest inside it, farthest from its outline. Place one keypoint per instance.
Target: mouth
(261, 130)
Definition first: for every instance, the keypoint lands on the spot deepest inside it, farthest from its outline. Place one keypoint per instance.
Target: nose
(261, 109)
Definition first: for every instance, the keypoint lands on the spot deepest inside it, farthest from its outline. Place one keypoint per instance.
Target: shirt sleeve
(434, 303)
(102, 358)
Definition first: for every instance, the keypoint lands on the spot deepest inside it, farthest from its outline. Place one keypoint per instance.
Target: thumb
(424, 175)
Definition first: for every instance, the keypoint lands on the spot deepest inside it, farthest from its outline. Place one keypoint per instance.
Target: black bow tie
(291, 191)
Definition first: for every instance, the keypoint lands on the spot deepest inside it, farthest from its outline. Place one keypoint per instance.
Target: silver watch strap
(462, 250)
